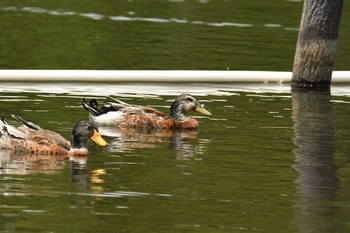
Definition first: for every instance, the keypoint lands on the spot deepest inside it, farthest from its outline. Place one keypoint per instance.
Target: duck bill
(96, 137)
(199, 108)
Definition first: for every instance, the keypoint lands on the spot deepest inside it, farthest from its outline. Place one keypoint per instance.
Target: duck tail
(12, 131)
(116, 104)
(26, 123)
(114, 100)
(3, 124)
(92, 107)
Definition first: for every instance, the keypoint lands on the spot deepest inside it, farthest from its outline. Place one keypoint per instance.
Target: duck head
(184, 104)
(84, 131)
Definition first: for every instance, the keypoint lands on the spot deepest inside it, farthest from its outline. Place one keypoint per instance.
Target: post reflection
(183, 142)
(317, 182)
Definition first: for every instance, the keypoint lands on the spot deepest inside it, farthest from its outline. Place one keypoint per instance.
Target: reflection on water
(234, 174)
(84, 178)
(183, 142)
(24, 164)
(317, 181)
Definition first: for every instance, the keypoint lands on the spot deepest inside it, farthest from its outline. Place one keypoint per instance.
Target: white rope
(158, 76)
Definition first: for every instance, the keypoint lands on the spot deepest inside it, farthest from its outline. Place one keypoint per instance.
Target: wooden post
(316, 46)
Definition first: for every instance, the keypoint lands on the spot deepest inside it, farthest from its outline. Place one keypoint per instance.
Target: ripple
(123, 194)
(34, 211)
(96, 16)
(137, 90)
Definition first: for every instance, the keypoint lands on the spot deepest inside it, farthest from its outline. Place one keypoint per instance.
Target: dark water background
(155, 34)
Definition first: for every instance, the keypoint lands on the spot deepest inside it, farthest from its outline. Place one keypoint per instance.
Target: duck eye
(189, 99)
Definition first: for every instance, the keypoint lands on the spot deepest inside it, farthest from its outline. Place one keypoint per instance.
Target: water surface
(156, 34)
(267, 160)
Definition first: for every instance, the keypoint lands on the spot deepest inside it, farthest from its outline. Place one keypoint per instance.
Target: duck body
(143, 117)
(123, 115)
(29, 138)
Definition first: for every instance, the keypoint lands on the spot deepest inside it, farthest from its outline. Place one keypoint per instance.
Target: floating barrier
(157, 76)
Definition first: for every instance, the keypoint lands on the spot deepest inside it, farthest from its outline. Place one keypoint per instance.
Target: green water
(155, 34)
(266, 161)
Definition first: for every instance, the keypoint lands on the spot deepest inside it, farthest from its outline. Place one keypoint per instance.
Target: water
(266, 161)
(156, 34)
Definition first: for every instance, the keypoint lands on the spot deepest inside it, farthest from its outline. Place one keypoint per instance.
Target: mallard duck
(123, 115)
(30, 138)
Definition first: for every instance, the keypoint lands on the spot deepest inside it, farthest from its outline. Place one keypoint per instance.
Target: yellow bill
(96, 137)
(200, 108)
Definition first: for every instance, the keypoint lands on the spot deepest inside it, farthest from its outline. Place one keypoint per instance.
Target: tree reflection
(317, 182)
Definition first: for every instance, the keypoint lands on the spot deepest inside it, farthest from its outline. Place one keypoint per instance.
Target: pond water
(155, 34)
(268, 160)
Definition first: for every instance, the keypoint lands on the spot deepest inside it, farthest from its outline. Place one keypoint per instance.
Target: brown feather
(37, 146)
(152, 118)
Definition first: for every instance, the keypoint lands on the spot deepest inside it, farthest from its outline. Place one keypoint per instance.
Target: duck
(123, 115)
(29, 138)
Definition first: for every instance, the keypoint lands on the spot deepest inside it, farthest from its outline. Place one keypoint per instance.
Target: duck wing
(125, 115)
(48, 137)
(39, 135)
(141, 116)
(146, 117)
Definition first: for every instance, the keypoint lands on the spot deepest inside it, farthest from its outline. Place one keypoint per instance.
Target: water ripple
(122, 194)
(140, 90)
(96, 16)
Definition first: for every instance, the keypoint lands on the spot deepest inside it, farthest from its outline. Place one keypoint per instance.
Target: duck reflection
(79, 173)
(317, 182)
(183, 142)
(24, 164)
(180, 142)
(83, 178)
(27, 164)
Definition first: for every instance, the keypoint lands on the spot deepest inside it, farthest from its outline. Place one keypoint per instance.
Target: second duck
(120, 114)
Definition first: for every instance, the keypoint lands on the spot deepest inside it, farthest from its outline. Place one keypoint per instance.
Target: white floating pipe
(157, 76)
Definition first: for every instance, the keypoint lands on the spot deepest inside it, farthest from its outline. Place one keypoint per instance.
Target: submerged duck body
(30, 138)
(123, 115)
